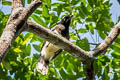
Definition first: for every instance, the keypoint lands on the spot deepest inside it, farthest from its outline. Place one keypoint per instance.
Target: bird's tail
(42, 66)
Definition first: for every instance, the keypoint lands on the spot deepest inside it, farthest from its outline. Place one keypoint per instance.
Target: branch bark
(107, 42)
(15, 25)
(16, 4)
(79, 53)
(89, 70)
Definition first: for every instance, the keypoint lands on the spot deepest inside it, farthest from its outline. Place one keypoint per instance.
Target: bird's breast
(49, 50)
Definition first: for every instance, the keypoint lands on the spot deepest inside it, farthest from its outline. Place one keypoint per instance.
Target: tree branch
(107, 42)
(16, 4)
(89, 70)
(31, 7)
(15, 25)
(58, 40)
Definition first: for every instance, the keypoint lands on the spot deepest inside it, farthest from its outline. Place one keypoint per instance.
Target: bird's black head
(66, 20)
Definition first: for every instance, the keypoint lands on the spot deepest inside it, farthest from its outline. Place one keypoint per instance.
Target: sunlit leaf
(38, 19)
(83, 44)
(17, 50)
(45, 11)
(6, 3)
(37, 47)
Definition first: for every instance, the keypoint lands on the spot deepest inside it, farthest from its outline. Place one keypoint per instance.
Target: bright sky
(115, 10)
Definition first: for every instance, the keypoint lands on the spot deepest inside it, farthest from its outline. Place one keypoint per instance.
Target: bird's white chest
(49, 50)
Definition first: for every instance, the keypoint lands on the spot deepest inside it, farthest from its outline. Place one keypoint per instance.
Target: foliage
(90, 17)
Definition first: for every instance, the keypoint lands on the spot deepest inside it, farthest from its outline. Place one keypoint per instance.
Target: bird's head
(66, 20)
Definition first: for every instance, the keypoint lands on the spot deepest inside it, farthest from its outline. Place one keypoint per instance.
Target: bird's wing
(56, 54)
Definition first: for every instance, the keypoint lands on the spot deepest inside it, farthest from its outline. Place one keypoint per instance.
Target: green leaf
(38, 12)
(105, 74)
(1, 15)
(70, 67)
(48, 3)
(73, 36)
(117, 40)
(82, 31)
(74, 2)
(29, 1)
(27, 61)
(98, 67)
(59, 9)
(38, 19)
(8, 3)
(91, 2)
(116, 47)
(13, 63)
(28, 49)
(7, 65)
(37, 47)
(101, 34)
(45, 11)
(116, 63)
(53, 20)
(83, 44)
(91, 28)
(81, 13)
(84, 9)
(116, 55)
(115, 77)
(89, 19)
(63, 74)
(23, 2)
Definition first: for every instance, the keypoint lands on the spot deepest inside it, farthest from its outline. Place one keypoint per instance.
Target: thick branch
(16, 4)
(89, 70)
(15, 26)
(108, 41)
(58, 40)
(31, 7)
(70, 47)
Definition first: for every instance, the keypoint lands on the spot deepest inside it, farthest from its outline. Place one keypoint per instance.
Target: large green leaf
(29, 1)
(37, 47)
(38, 19)
(45, 11)
(83, 44)
(8, 3)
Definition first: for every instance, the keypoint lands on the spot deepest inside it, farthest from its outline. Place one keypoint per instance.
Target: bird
(49, 51)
